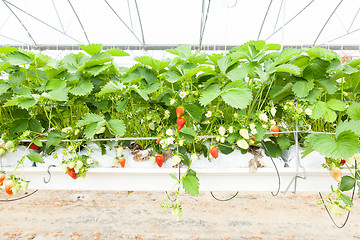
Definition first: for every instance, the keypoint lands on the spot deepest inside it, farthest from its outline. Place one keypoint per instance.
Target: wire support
(224, 200)
(82, 27)
(16, 199)
(277, 171)
(352, 198)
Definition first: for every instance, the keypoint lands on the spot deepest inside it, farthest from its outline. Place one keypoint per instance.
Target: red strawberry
(158, 140)
(275, 129)
(159, 160)
(122, 162)
(342, 162)
(10, 184)
(2, 178)
(180, 122)
(34, 146)
(179, 111)
(72, 173)
(214, 151)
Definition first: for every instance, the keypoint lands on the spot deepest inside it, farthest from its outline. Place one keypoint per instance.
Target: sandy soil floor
(118, 215)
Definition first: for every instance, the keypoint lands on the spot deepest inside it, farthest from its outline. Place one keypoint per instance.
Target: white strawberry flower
(222, 131)
(218, 139)
(308, 111)
(252, 126)
(67, 130)
(172, 101)
(222, 139)
(175, 160)
(181, 142)
(242, 144)
(183, 94)
(244, 133)
(272, 122)
(231, 129)
(263, 117)
(273, 111)
(264, 126)
(253, 131)
(208, 114)
(167, 113)
(89, 161)
(194, 158)
(169, 132)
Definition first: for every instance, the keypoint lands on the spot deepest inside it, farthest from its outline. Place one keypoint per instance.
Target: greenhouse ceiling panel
(164, 23)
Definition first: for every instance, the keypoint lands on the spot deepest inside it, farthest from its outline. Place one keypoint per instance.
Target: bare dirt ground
(118, 215)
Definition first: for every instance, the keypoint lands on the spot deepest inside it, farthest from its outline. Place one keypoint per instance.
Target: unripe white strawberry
(79, 164)
(120, 151)
(175, 160)
(71, 164)
(101, 130)
(194, 158)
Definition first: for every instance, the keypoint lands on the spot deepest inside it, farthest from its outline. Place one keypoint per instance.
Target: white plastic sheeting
(160, 22)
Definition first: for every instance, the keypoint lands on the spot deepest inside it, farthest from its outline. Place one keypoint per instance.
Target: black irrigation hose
(167, 195)
(224, 200)
(348, 214)
(12, 200)
(48, 171)
(277, 171)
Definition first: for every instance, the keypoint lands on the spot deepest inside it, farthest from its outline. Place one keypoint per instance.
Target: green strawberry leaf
(318, 110)
(336, 105)
(83, 88)
(351, 125)
(117, 126)
(92, 49)
(35, 157)
(354, 111)
(212, 92)
(347, 183)
(194, 110)
(18, 58)
(191, 183)
(345, 145)
(346, 199)
(116, 52)
(53, 139)
(302, 88)
(237, 95)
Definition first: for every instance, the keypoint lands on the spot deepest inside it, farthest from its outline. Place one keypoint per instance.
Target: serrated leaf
(53, 139)
(117, 126)
(354, 111)
(346, 199)
(19, 126)
(83, 88)
(92, 49)
(313, 96)
(93, 128)
(191, 183)
(318, 110)
(328, 85)
(283, 141)
(194, 110)
(26, 102)
(318, 52)
(11, 102)
(281, 91)
(347, 183)
(330, 116)
(273, 149)
(7, 49)
(336, 105)
(55, 83)
(212, 92)
(237, 74)
(35, 157)
(153, 63)
(225, 148)
(237, 95)
(18, 58)
(224, 63)
(96, 70)
(116, 52)
(57, 95)
(4, 87)
(288, 68)
(351, 125)
(152, 88)
(262, 75)
(89, 118)
(121, 104)
(111, 87)
(315, 69)
(286, 55)
(35, 125)
(172, 76)
(188, 134)
(302, 88)
(345, 145)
